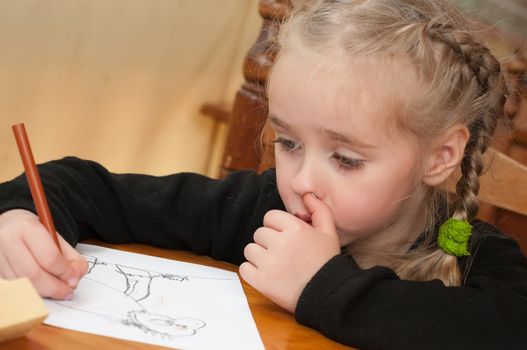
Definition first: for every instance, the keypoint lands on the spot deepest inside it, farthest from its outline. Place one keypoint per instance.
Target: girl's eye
(285, 144)
(346, 163)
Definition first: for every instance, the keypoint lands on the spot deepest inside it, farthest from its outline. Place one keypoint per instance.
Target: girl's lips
(304, 217)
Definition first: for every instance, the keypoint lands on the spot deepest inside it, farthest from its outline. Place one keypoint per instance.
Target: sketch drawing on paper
(133, 286)
(157, 301)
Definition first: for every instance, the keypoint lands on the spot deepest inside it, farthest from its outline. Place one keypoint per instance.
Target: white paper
(157, 301)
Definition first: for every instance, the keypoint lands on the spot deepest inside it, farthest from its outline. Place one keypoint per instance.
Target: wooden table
(278, 328)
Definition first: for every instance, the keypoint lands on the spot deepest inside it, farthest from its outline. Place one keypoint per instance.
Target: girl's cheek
(355, 208)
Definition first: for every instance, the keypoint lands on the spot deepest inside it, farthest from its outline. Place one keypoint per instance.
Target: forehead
(357, 91)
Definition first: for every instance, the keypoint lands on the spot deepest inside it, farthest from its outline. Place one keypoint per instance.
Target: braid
(484, 66)
(486, 70)
(467, 188)
(468, 63)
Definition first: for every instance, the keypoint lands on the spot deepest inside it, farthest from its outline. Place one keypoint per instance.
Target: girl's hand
(288, 252)
(28, 250)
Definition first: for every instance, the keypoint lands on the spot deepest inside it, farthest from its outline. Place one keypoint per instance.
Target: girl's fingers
(279, 220)
(80, 266)
(24, 264)
(265, 236)
(321, 216)
(77, 261)
(48, 257)
(255, 254)
(27, 250)
(249, 273)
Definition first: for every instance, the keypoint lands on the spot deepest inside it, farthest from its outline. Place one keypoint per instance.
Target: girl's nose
(304, 181)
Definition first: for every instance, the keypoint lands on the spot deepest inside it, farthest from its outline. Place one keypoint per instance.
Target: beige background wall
(120, 81)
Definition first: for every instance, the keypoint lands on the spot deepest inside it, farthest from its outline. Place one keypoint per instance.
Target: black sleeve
(181, 211)
(374, 309)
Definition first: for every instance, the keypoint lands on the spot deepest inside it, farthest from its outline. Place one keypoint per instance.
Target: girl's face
(336, 137)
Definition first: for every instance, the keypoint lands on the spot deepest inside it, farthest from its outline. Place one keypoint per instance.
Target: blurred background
(122, 81)
(508, 15)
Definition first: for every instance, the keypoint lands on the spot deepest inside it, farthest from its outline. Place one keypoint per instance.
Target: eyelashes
(344, 163)
(285, 144)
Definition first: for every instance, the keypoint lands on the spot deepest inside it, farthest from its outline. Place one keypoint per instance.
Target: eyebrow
(275, 120)
(338, 137)
(335, 136)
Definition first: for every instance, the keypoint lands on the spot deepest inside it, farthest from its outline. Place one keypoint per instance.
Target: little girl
(374, 104)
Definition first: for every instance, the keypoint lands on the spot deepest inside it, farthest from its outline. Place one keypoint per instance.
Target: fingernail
(69, 296)
(72, 282)
(314, 195)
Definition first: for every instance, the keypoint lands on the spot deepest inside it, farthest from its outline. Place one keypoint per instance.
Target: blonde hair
(462, 83)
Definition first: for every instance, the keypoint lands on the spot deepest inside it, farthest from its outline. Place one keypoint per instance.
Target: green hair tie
(453, 237)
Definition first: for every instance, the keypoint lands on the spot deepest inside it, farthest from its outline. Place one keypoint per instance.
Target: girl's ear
(446, 155)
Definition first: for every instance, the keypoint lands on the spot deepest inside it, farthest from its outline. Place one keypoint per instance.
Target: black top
(369, 309)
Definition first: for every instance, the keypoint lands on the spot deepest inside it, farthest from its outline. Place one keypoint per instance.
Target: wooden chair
(503, 191)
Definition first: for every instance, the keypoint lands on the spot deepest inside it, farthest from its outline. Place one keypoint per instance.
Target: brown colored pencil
(33, 179)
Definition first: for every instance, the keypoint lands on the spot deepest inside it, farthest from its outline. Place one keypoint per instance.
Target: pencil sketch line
(136, 286)
(99, 262)
(115, 289)
(114, 318)
(161, 325)
(149, 323)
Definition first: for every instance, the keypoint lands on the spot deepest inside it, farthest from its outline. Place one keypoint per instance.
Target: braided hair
(486, 71)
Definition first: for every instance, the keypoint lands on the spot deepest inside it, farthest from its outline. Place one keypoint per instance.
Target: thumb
(78, 265)
(321, 217)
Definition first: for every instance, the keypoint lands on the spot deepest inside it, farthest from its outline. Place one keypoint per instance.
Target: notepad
(157, 301)
(21, 308)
